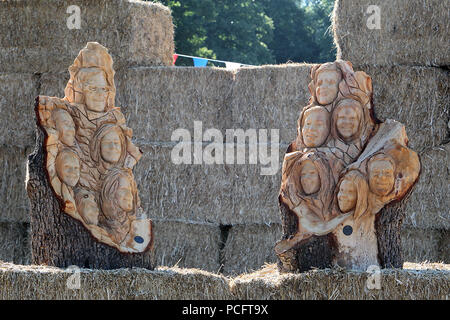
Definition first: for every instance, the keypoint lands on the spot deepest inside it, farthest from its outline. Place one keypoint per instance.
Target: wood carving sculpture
(89, 155)
(340, 171)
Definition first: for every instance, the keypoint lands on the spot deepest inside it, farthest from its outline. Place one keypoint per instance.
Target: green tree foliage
(319, 20)
(253, 31)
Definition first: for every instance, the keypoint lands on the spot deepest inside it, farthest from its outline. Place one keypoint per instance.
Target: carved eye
(86, 196)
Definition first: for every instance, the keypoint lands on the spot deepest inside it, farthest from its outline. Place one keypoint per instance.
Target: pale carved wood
(339, 173)
(87, 157)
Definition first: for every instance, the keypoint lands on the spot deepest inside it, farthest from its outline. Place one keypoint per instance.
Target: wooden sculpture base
(334, 249)
(58, 239)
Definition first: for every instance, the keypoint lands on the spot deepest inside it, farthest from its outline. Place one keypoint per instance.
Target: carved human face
(87, 206)
(65, 127)
(381, 177)
(347, 121)
(68, 168)
(309, 177)
(347, 196)
(95, 89)
(315, 127)
(111, 146)
(124, 195)
(327, 86)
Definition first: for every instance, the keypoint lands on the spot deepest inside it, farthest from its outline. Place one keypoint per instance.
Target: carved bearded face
(347, 196)
(381, 177)
(347, 119)
(124, 195)
(87, 206)
(316, 126)
(95, 90)
(64, 126)
(309, 177)
(68, 168)
(111, 146)
(327, 86)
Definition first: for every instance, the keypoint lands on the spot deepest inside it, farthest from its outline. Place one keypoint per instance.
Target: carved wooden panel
(90, 154)
(342, 169)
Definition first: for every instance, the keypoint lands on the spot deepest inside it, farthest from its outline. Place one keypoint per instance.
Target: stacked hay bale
(37, 45)
(214, 217)
(430, 282)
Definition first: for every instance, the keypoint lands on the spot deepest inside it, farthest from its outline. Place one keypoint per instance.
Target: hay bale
(413, 32)
(185, 193)
(444, 249)
(256, 196)
(47, 283)
(17, 119)
(248, 247)
(135, 32)
(15, 242)
(419, 245)
(338, 284)
(187, 245)
(271, 97)
(13, 196)
(157, 101)
(418, 97)
(429, 203)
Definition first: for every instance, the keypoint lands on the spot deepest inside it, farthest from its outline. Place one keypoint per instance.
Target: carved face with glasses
(95, 90)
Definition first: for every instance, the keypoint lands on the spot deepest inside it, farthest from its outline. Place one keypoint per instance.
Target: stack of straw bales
(430, 282)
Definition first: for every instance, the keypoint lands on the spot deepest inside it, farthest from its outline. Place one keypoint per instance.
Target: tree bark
(60, 240)
(388, 226)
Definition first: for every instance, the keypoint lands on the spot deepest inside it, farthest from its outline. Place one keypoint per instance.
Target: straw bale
(48, 283)
(271, 97)
(185, 192)
(420, 245)
(15, 242)
(424, 281)
(187, 245)
(17, 120)
(338, 284)
(157, 101)
(135, 32)
(412, 32)
(418, 97)
(429, 203)
(13, 196)
(248, 247)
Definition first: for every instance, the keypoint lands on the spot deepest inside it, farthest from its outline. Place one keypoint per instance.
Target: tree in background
(318, 13)
(254, 31)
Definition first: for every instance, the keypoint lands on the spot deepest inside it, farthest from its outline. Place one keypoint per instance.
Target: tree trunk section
(60, 240)
(315, 252)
